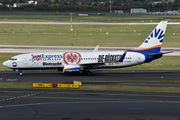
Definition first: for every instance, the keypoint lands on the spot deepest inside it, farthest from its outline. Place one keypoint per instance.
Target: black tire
(89, 73)
(86, 72)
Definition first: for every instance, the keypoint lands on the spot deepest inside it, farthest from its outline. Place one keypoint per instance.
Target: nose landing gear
(20, 73)
(89, 73)
(17, 70)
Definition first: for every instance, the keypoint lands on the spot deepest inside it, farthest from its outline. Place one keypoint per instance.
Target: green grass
(122, 88)
(15, 85)
(134, 81)
(65, 17)
(131, 88)
(83, 35)
(164, 63)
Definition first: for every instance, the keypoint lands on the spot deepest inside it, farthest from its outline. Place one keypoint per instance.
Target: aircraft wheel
(20, 74)
(89, 73)
(86, 73)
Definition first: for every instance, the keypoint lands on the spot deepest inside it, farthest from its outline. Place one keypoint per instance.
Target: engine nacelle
(71, 69)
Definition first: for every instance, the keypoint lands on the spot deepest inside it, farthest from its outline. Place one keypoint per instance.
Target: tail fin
(155, 39)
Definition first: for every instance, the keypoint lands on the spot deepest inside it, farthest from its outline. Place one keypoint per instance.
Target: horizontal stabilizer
(154, 54)
(122, 57)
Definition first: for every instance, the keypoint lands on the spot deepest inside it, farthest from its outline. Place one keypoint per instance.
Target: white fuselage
(85, 59)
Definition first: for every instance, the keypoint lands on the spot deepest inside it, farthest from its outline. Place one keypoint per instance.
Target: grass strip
(83, 35)
(65, 17)
(135, 81)
(131, 88)
(120, 88)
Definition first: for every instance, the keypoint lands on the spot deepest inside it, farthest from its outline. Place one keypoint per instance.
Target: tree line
(88, 5)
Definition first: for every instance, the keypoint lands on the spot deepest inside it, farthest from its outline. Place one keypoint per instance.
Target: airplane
(82, 62)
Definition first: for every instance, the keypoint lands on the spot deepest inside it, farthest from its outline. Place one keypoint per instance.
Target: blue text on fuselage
(44, 56)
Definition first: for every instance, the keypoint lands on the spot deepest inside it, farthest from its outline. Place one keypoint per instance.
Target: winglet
(96, 49)
(122, 57)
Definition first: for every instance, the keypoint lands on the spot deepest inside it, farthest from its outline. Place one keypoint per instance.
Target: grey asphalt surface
(60, 77)
(86, 105)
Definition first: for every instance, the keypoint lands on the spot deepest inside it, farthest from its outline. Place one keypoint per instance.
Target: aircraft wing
(91, 64)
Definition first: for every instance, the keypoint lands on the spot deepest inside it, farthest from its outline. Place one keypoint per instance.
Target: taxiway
(85, 105)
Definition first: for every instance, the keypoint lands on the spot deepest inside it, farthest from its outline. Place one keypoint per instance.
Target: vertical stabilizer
(155, 39)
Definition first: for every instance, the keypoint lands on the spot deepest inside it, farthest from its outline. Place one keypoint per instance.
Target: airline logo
(36, 57)
(158, 34)
(71, 57)
(44, 56)
(14, 64)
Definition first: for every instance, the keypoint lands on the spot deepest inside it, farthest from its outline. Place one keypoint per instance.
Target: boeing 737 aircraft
(82, 62)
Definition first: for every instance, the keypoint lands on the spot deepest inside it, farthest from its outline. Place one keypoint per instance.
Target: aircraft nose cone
(5, 63)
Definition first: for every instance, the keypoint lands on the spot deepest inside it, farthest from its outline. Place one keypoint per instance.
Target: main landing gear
(84, 72)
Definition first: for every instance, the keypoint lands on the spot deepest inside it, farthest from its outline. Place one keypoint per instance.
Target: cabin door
(25, 59)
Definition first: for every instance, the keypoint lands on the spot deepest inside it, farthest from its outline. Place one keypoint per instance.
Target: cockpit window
(13, 59)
